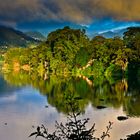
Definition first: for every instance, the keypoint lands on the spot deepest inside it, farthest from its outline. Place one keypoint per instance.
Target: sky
(47, 15)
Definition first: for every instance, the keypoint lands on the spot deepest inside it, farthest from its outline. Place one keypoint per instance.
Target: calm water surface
(24, 97)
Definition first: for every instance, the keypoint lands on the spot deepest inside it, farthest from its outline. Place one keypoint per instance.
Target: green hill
(10, 37)
(36, 35)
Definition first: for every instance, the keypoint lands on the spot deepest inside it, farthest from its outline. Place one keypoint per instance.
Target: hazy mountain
(12, 37)
(111, 34)
(36, 35)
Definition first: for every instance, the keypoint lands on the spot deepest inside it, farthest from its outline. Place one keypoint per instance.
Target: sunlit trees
(16, 57)
(64, 44)
(71, 51)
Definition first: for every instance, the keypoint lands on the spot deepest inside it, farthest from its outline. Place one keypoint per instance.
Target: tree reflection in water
(74, 128)
(99, 91)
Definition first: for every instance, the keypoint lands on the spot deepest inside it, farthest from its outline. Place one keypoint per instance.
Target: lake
(28, 100)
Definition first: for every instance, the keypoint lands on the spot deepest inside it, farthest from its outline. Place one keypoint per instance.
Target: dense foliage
(71, 51)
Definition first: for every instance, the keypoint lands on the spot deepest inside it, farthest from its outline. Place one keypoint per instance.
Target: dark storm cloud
(18, 11)
(76, 11)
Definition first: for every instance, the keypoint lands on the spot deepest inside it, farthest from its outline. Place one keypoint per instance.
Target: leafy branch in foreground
(74, 128)
(135, 136)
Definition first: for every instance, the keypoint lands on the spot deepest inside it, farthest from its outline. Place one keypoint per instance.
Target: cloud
(127, 10)
(76, 11)
(24, 11)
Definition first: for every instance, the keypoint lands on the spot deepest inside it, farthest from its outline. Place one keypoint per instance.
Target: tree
(132, 41)
(65, 44)
(74, 128)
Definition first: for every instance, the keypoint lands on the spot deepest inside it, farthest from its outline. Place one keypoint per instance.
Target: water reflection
(33, 93)
(6, 89)
(23, 113)
(98, 92)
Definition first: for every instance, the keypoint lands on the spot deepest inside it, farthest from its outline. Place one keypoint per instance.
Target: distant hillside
(12, 37)
(111, 34)
(36, 35)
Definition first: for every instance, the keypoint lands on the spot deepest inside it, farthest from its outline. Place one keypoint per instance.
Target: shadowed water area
(28, 100)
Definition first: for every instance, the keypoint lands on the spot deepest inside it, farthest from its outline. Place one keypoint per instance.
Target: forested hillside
(10, 37)
(71, 51)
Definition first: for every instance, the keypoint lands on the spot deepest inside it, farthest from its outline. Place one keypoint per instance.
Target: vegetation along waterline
(70, 70)
(71, 51)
